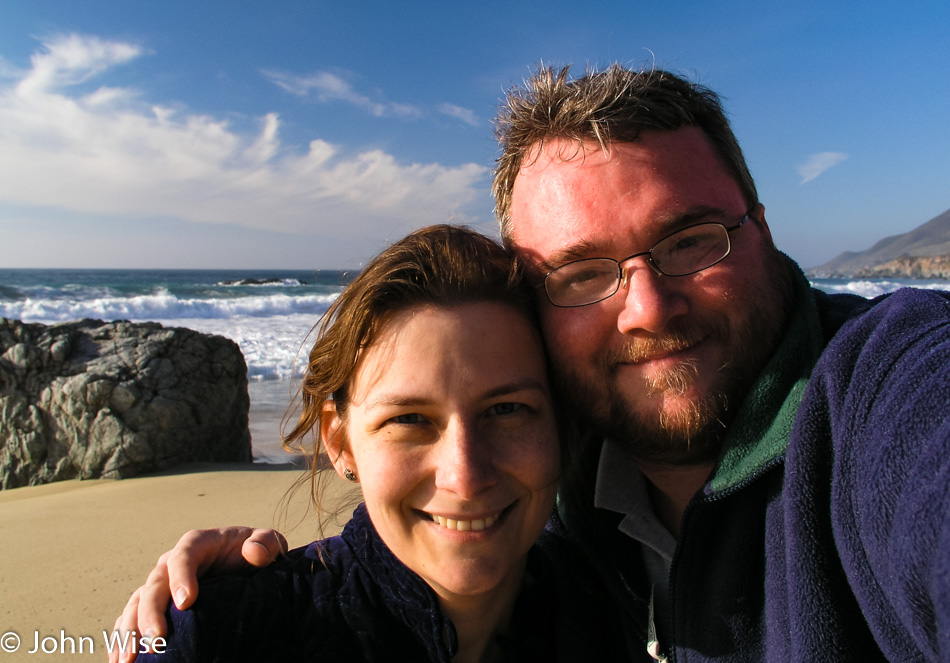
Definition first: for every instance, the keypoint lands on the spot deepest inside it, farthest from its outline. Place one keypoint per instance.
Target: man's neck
(672, 488)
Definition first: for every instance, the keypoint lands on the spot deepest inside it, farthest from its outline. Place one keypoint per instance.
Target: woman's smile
(451, 429)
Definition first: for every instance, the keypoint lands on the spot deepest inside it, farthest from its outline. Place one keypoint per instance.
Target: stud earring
(350, 475)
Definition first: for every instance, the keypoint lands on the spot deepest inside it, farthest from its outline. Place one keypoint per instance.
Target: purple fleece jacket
(867, 488)
(823, 533)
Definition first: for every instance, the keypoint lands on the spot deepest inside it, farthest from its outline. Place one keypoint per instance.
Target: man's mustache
(636, 350)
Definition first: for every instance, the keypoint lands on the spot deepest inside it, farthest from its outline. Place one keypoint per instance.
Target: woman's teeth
(466, 525)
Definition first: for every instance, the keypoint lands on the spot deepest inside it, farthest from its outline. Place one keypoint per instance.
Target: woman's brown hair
(442, 266)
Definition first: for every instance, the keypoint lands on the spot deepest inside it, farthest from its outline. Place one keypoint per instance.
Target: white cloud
(331, 87)
(327, 87)
(464, 114)
(110, 152)
(819, 163)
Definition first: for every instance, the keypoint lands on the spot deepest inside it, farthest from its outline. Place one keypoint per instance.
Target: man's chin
(662, 426)
(681, 430)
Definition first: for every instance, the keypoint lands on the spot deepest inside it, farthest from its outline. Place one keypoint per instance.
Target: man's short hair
(613, 105)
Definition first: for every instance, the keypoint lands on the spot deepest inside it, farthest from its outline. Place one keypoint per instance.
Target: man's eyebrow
(576, 251)
(692, 216)
(662, 226)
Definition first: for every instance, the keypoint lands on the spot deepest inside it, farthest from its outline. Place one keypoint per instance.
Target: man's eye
(686, 244)
(586, 276)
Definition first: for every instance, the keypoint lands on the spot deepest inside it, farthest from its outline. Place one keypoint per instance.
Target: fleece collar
(760, 432)
(402, 593)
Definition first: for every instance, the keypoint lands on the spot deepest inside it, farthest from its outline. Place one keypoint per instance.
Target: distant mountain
(921, 253)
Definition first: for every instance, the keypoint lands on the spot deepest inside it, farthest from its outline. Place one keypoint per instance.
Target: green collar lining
(760, 432)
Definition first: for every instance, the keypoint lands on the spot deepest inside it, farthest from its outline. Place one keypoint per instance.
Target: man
(766, 474)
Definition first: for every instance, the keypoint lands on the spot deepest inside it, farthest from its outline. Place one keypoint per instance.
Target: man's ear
(333, 437)
(759, 216)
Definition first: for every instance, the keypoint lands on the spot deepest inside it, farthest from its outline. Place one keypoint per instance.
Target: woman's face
(451, 431)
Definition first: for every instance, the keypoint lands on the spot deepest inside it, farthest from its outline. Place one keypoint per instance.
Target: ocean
(268, 313)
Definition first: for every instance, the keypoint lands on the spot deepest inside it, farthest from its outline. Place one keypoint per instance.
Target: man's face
(666, 361)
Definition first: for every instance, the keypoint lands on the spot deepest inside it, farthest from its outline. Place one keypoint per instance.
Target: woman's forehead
(475, 346)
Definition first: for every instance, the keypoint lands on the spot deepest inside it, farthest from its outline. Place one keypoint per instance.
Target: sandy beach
(72, 552)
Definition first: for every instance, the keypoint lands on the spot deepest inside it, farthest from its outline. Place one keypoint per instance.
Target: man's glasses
(685, 252)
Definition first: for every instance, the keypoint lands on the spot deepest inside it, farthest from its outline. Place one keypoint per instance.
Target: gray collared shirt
(622, 488)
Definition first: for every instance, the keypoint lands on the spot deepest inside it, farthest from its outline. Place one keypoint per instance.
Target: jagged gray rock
(94, 399)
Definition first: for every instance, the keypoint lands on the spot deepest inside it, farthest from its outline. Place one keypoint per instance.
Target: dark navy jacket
(824, 532)
(349, 599)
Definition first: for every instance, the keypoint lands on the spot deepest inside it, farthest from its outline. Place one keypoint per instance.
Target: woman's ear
(333, 437)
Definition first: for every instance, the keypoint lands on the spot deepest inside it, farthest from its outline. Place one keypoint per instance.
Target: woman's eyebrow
(526, 384)
(396, 400)
(400, 400)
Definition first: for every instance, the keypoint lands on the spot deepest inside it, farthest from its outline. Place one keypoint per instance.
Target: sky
(308, 135)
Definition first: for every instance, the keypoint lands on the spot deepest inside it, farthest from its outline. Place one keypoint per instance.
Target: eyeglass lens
(589, 281)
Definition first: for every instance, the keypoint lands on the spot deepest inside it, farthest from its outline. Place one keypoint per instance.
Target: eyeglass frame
(621, 272)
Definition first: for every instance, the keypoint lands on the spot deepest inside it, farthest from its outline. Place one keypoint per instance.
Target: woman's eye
(411, 418)
(505, 408)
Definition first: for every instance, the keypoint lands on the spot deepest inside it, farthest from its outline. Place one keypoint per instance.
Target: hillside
(921, 253)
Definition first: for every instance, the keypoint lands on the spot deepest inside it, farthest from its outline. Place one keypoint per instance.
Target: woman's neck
(478, 619)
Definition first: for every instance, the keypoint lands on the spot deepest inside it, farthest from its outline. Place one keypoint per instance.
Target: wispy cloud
(110, 151)
(327, 87)
(819, 163)
(467, 116)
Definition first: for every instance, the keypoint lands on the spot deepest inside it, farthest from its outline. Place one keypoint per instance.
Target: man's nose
(465, 464)
(650, 299)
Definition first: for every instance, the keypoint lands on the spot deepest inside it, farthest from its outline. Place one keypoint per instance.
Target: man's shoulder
(897, 312)
(895, 342)
(849, 311)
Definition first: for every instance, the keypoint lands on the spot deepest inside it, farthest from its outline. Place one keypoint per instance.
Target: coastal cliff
(909, 267)
(922, 253)
(94, 399)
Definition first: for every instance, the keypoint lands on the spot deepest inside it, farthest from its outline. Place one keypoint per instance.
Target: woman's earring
(350, 475)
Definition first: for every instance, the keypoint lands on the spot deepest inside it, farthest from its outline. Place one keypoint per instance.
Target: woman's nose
(464, 464)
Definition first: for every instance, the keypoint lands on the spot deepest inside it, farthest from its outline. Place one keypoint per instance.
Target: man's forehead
(572, 197)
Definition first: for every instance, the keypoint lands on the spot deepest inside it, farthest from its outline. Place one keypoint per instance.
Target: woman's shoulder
(260, 614)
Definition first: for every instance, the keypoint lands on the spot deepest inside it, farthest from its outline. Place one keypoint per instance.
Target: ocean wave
(161, 305)
(274, 348)
(10, 293)
(875, 287)
(257, 283)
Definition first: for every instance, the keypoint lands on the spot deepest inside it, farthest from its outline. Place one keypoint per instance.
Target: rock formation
(95, 399)
(930, 240)
(909, 267)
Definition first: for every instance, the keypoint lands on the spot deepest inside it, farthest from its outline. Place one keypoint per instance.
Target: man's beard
(691, 432)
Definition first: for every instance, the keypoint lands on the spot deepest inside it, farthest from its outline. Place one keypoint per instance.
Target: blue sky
(211, 134)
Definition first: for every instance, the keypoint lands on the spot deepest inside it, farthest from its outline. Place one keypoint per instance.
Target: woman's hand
(175, 576)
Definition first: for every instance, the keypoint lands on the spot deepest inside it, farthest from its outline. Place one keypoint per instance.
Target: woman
(427, 385)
